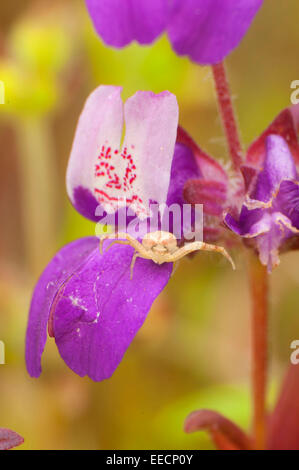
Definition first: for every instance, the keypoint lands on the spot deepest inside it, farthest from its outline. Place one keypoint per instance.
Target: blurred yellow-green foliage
(194, 349)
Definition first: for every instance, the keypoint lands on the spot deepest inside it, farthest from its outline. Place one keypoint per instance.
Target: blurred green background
(194, 349)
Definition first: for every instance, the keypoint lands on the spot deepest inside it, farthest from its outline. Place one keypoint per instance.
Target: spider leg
(196, 246)
(131, 241)
(104, 237)
(120, 242)
(135, 256)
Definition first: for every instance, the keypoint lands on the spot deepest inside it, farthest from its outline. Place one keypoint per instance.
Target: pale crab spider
(161, 247)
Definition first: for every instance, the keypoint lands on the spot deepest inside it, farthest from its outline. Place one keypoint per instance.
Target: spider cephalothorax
(161, 247)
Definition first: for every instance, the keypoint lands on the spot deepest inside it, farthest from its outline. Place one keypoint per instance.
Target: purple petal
(279, 165)
(9, 439)
(287, 201)
(207, 30)
(184, 167)
(119, 22)
(63, 265)
(276, 232)
(139, 172)
(86, 204)
(248, 223)
(102, 309)
(270, 230)
(276, 190)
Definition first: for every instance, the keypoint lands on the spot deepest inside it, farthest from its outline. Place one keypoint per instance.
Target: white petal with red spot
(132, 174)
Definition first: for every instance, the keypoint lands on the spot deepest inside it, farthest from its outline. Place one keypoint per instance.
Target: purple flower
(269, 217)
(205, 30)
(86, 300)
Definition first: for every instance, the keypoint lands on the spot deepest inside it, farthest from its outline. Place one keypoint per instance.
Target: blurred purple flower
(87, 300)
(205, 30)
(9, 439)
(269, 217)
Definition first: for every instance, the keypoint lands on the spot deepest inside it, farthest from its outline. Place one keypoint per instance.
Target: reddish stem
(228, 114)
(259, 295)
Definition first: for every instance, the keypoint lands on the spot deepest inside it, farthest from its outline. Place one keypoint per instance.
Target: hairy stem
(259, 298)
(228, 114)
